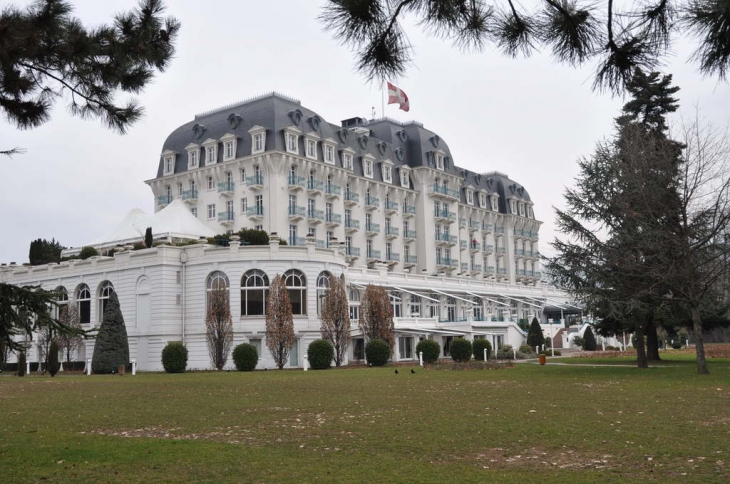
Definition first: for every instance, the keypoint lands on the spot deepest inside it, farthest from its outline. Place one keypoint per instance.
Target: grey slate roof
(402, 143)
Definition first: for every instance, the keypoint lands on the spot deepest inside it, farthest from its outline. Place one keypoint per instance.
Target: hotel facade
(370, 201)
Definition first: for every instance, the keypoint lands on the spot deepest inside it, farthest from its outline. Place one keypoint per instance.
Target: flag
(397, 96)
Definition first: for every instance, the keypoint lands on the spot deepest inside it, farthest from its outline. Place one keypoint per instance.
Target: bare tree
(279, 322)
(376, 315)
(219, 327)
(336, 319)
(70, 342)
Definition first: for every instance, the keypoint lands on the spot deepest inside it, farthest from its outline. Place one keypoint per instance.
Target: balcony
(333, 219)
(351, 198)
(409, 235)
(520, 252)
(297, 212)
(352, 252)
(486, 228)
(442, 191)
(501, 272)
(445, 262)
(410, 260)
(163, 200)
(488, 249)
(409, 211)
(226, 188)
(462, 222)
(371, 203)
(499, 229)
(320, 244)
(475, 247)
(255, 182)
(476, 268)
(391, 232)
(392, 258)
(373, 255)
(315, 216)
(297, 241)
(489, 270)
(462, 244)
(532, 236)
(474, 226)
(190, 196)
(296, 183)
(333, 191)
(372, 229)
(255, 213)
(518, 233)
(445, 239)
(226, 218)
(444, 216)
(500, 250)
(464, 267)
(391, 207)
(314, 187)
(351, 225)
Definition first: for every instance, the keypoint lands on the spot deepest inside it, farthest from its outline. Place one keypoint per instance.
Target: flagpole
(382, 98)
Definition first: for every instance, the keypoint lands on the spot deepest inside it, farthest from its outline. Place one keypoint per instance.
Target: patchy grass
(561, 423)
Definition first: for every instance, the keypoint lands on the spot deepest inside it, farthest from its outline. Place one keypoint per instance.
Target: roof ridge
(248, 101)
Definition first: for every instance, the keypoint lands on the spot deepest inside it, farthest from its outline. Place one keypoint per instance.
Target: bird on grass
(413, 371)
(396, 372)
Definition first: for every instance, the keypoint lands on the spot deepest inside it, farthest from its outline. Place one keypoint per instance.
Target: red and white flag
(397, 96)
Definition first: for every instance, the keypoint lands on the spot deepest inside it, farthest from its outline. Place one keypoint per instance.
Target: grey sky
(529, 118)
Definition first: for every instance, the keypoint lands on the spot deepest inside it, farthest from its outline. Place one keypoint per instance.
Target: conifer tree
(53, 364)
(589, 340)
(279, 322)
(534, 335)
(111, 348)
(148, 237)
(336, 319)
(376, 315)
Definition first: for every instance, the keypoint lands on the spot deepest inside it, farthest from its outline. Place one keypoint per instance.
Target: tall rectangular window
(211, 211)
(329, 154)
(244, 205)
(292, 235)
(258, 142)
(311, 148)
(229, 150)
(210, 155)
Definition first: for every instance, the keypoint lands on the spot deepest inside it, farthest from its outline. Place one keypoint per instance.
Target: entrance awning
(451, 294)
(445, 332)
(521, 301)
(415, 293)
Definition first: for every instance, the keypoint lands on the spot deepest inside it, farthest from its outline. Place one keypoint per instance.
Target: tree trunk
(641, 360)
(699, 341)
(652, 339)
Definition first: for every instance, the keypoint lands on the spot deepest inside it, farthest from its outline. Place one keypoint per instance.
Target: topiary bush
(111, 349)
(53, 364)
(478, 346)
(460, 349)
(534, 335)
(505, 353)
(245, 357)
(677, 345)
(174, 357)
(377, 352)
(21, 363)
(320, 354)
(589, 340)
(431, 350)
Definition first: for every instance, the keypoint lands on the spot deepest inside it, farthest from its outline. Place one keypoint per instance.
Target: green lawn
(526, 424)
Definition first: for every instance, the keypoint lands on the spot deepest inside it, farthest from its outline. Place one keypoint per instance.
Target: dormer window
(258, 139)
(347, 159)
(530, 213)
(210, 150)
(311, 149)
(439, 161)
(387, 169)
(495, 205)
(229, 146)
(483, 200)
(405, 178)
(193, 156)
(291, 139)
(329, 154)
(367, 167)
(522, 209)
(513, 206)
(470, 197)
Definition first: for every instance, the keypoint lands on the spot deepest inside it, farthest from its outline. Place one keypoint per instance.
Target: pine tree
(589, 340)
(336, 319)
(279, 322)
(43, 251)
(53, 364)
(111, 348)
(219, 327)
(534, 335)
(376, 315)
(148, 237)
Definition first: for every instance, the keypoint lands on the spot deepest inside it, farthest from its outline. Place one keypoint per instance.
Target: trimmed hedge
(174, 357)
(478, 346)
(460, 349)
(377, 352)
(245, 357)
(431, 350)
(320, 354)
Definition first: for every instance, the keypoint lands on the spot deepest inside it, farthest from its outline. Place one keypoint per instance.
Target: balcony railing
(353, 251)
(462, 244)
(502, 270)
(392, 231)
(475, 246)
(297, 211)
(351, 223)
(333, 218)
(190, 195)
(333, 190)
(164, 199)
(298, 241)
(296, 181)
(372, 201)
(499, 229)
(373, 254)
(489, 248)
(255, 211)
(226, 186)
(409, 209)
(486, 227)
(255, 180)
(442, 190)
(225, 217)
(474, 225)
(464, 266)
(411, 259)
(315, 185)
(352, 197)
(372, 227)
(445, 261)
(476, 268)
(320, 244)
(409, 234)
(462, 222)
(393, 257)
(451, 239)
(489, 269)
(445, 214)
(314, 214)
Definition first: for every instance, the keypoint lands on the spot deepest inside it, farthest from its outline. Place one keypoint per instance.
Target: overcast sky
(531, 118)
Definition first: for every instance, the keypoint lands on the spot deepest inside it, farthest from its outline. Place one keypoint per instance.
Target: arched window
(254, 291)
(83, 303)
(323, 284)
(105, 290)
(216, 280)
(296, 284)
(61, 308)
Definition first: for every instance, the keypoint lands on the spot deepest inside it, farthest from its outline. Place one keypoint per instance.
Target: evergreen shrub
(431, 350)
(526, 349)
(112, 347)
(320, 354)
(377, 352)
(174, 357)
(245, 357)
(21, 363)
(505, 353)
(87, 252)
(589, 340)
(534, 335)
(578, 341)
(460, 349)
(53, 364)
(478, 346)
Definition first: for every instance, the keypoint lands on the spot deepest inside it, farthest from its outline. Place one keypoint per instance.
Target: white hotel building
(374, 202)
